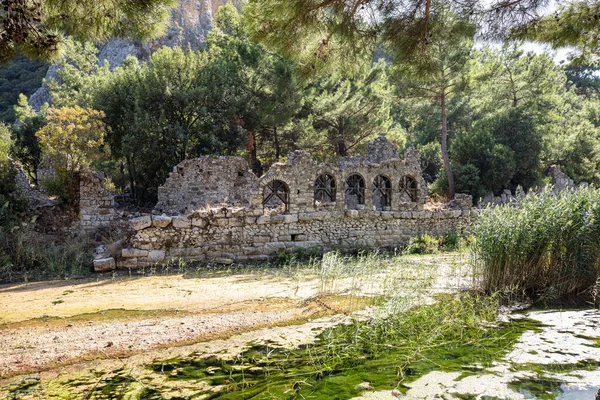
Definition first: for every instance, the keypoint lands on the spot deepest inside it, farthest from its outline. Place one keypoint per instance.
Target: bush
(424, 244)
(12, 203)
(548, 246)
(26, 255)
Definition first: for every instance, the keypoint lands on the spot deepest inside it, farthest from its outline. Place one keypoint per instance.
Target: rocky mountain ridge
(191, 21)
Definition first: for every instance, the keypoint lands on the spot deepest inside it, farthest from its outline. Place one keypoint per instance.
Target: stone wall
(220, 211)
(225, 235)
(227, 181)
(204, 181)
(96, 203)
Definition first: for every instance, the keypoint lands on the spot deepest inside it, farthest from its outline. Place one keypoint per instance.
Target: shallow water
(537, 355)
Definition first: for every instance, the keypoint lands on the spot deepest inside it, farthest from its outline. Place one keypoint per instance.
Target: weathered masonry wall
(212, 180)
(215, 209)
(96, 204)
(227, 234)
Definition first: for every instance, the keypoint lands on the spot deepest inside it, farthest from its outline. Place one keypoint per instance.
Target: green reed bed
(546, 246)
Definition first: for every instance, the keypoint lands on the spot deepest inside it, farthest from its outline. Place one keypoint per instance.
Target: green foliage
(11, 201)
(26, 146)
(431, 161)
(573, 139)
(574, 24)
(423, 244)
(71, 140)
(345, 113)
(38, 30)
(548, 246)
(584, 79)
(509, 77)
(18, 76)
(482, 164)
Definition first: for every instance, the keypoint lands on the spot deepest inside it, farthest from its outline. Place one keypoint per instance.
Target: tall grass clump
(26, 255)
(547, 246)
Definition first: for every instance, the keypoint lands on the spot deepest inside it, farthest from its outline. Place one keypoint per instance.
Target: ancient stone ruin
(215, 209)
(96, 203)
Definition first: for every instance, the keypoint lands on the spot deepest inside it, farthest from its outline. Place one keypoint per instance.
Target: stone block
(387, 215)
(223, 260)
(263, 219)
(187, 251)
(306, 217)
(277, 219)
(284, 238)
(224, 222)
(261, 239)
(128, 263)
(290, 218)
(156, 255)
(258, 257)
(104, 264)
(274, 247)
(352, 213)
(181, 222)
(199, 222)
(129, 253)
(101, 252)
(140, 223)
(161, 221)
(251, 251)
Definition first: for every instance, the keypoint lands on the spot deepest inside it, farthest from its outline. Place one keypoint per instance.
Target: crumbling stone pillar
(96, 203)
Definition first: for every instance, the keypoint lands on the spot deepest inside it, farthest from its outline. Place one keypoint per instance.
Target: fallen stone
(130, 253)
(156, 255)
(104, 264)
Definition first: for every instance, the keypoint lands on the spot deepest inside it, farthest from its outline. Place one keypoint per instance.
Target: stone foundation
(226, 235)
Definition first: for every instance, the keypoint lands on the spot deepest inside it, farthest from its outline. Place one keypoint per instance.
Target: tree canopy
(37, 28)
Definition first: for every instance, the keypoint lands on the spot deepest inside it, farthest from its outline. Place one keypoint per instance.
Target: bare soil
(47, 326)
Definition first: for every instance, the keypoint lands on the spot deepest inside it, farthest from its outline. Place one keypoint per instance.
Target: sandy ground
(47, 324)
(50, 325)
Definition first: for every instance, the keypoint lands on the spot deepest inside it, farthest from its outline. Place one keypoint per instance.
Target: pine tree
(37, 27)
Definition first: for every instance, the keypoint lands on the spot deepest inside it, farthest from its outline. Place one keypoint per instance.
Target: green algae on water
(334, 366)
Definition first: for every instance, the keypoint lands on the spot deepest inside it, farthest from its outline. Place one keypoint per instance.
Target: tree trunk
(277, 147)
(255, 163)
(131, 174)
(445, 156)
(340, 147)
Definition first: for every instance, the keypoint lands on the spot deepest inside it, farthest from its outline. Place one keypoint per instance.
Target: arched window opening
(325, 189)
(276, 197)
(382, 193)
(355, 192)
(409, 190)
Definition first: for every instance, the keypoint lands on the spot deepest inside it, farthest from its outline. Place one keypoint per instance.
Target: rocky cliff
(191, 21)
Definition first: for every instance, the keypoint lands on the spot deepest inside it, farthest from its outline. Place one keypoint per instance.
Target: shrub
(424, 244)
(26, 255)
(548, 246)
(71, 140)
(11, 201)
